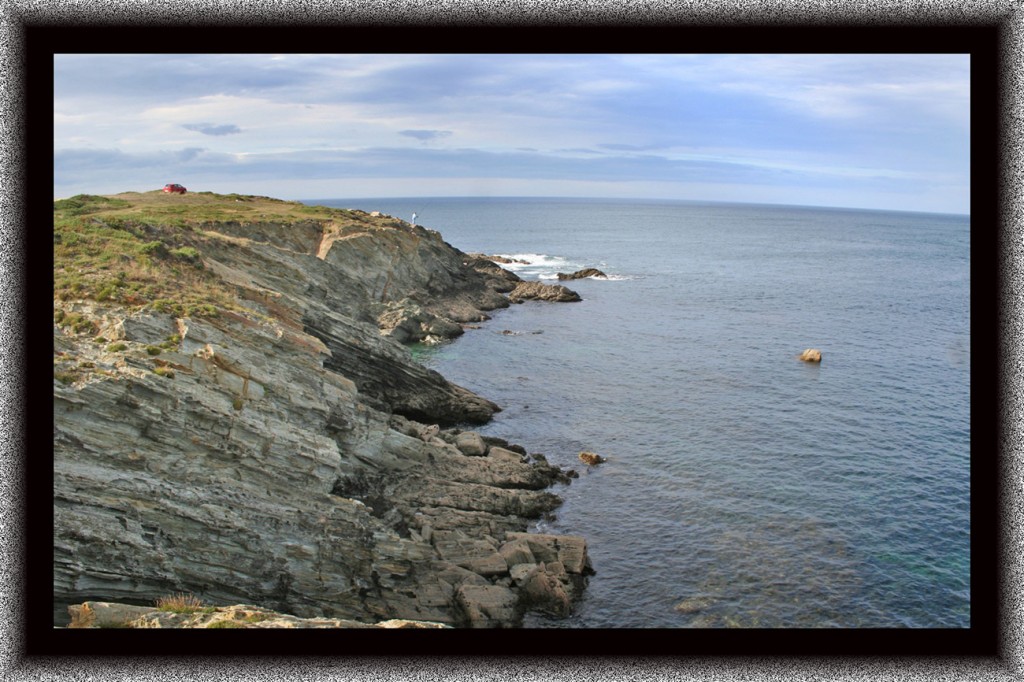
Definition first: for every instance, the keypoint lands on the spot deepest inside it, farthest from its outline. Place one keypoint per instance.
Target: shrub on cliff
(183, 603)
(81, 204)
(120, 262)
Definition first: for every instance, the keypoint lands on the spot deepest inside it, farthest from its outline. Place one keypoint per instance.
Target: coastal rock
(500, 259)
(271, 453)
(406, 321)
(105, 615)
(334, 284)
(582, 274)
(429, 433)
(542, 590)
(810, 355)
(517, 552)
(526, 291)
(470, 443)
(488, 606)
(569, 551)
(406, 261)
(591, 459)
(92, 614)
(497, 278)
(504, 455)
(256, 474)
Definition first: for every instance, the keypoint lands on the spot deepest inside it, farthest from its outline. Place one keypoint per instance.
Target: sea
(743, 488)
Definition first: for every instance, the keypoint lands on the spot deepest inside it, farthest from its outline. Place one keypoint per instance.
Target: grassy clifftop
(145, 249)
(195, 207)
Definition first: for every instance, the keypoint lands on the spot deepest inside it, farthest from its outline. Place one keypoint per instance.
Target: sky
(863, 131)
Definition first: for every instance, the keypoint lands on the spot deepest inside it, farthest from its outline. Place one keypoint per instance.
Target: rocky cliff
(235, 416)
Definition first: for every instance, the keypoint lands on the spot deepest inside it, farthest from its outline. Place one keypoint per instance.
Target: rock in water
(592, 459)
(500, 259)
(582, 274)
(811, 355)
(526, 291)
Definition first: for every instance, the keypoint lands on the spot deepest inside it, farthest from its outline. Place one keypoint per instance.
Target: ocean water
(743, 488)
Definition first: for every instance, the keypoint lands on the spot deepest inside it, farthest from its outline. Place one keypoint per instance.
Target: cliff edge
(235, 416)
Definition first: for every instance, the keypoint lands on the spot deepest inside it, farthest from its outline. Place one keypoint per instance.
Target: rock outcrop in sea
(266, 439)
(582, 274)
(538, 291)
(810, 355)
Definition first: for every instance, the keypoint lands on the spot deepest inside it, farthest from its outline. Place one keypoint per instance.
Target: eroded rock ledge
(107, 615)
(291, 453)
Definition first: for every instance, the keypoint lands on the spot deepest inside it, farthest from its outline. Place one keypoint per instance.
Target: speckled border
(586, 662)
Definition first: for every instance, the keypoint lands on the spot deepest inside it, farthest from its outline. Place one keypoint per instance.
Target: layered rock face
(295, 456)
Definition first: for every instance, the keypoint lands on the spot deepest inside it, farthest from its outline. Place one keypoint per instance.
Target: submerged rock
(694, 604)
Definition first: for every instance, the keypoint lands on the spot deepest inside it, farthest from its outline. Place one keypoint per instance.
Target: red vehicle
(174, 189)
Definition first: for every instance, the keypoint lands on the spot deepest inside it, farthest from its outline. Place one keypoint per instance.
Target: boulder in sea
(499, 259)
(582, 274)
(592, 459)
(811, 355)
(543, 292)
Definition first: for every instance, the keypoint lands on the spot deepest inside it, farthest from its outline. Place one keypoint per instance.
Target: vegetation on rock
(145, 249)
(183, 603)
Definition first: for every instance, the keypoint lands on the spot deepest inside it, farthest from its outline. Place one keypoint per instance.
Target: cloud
(752, 120)
(384, 162)
(618, 147)
(425, 135)
(210, 129)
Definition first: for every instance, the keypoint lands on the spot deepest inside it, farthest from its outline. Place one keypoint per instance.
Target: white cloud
(643, 121)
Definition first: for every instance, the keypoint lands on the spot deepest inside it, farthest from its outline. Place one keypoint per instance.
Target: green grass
(82, 204)
(66, 377)
(117, 261)
(73, 322)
